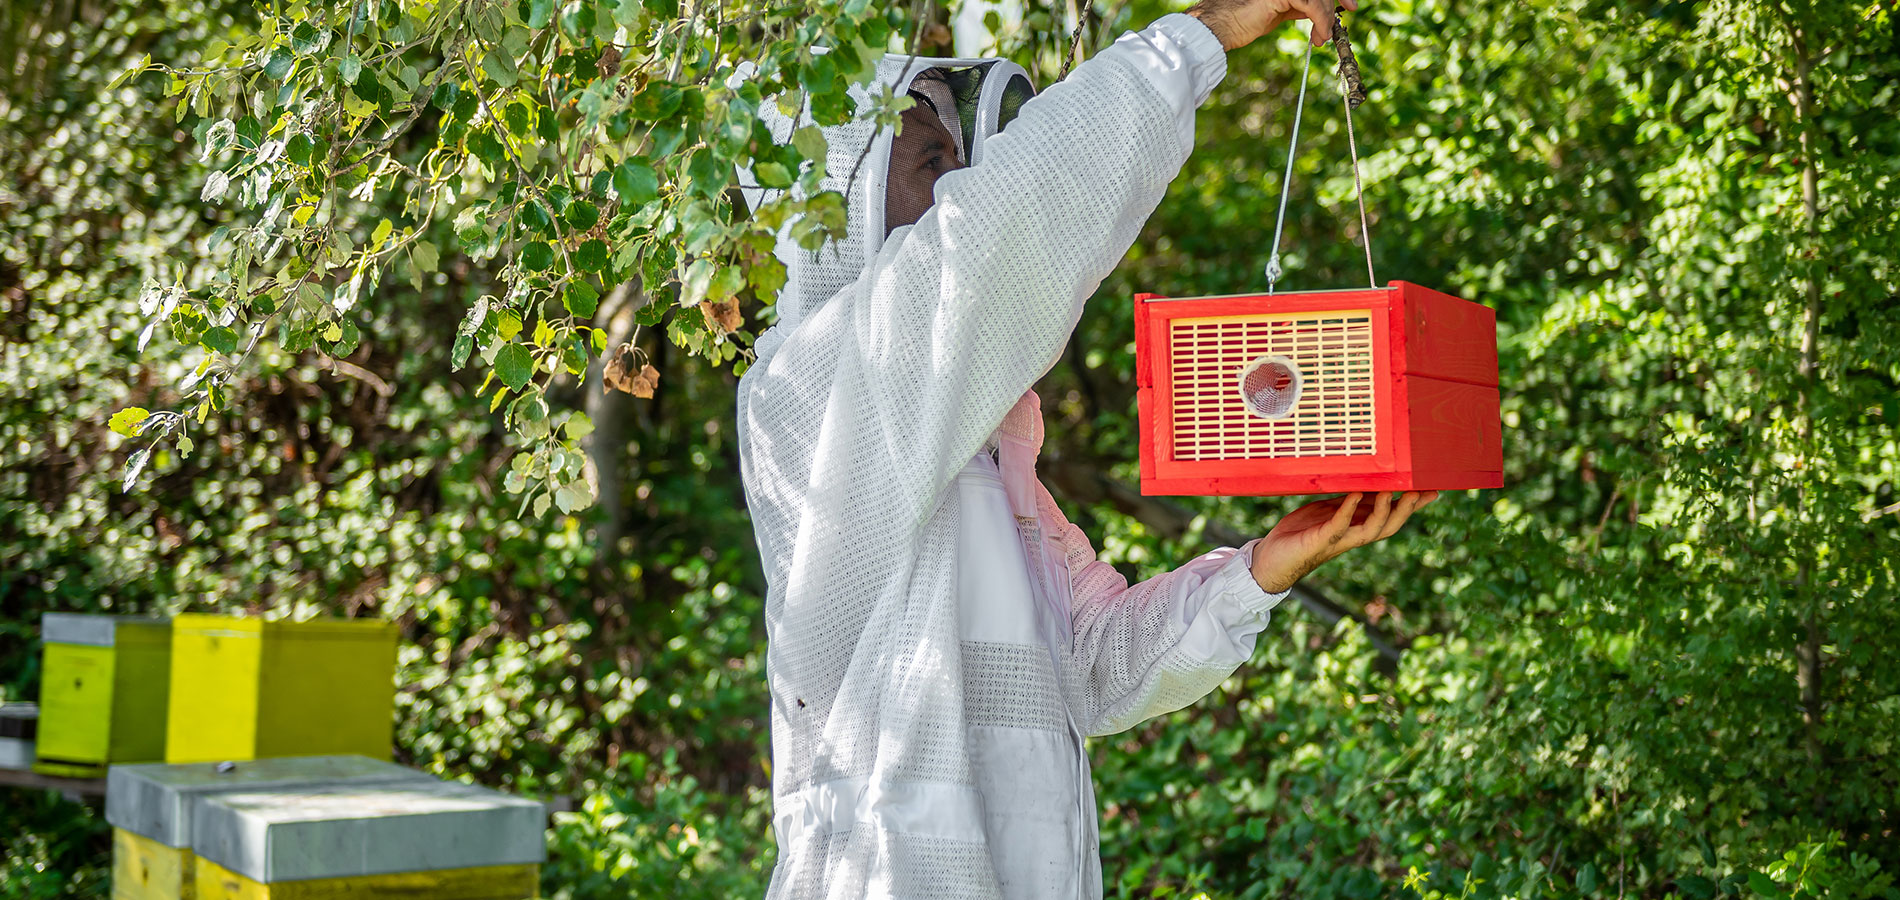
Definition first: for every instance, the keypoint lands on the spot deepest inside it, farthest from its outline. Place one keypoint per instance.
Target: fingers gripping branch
(1240, 22)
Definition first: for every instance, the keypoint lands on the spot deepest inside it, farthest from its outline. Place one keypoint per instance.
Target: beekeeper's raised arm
(960, 284)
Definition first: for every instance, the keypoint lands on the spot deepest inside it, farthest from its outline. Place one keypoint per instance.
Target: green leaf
(581, 299)
(127, 421)
(380, 234)
(127, 74)
(1587, 878)
(514, 365)
(657, 101)
(299, 148)
(578, 426)
(537, 256)
(277, 64)
(809, 141)
(581, 215)
(534, 217)
(133, 467)
(592, 255)
(773, 175)
(220, 339)
(1695, 887)
(636, 183)
(728, 282)
(464, 343)
(1760, 883)
(425, 256)
(539, 13)
(501, 67)
(697, 281)
(309, 40)
(709, 174)
(348, 68)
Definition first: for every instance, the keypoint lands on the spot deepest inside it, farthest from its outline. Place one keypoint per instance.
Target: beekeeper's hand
(1319, 531)
(1238, 22)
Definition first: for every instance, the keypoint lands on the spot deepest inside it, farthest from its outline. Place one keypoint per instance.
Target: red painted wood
(1435, 400)
(1144, 413)
(1144, 376)
(1282, 486)
(1454, 426)
(1446, 337)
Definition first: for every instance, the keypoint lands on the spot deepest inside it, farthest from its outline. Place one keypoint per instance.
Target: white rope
(1274, 271)
(1352, 143)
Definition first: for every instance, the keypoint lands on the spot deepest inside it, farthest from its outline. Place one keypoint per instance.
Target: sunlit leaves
(569, 147)
(128, 421)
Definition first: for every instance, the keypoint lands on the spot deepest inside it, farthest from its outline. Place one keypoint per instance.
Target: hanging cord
(1354, 94)
(1353, 91)
(1274, 271)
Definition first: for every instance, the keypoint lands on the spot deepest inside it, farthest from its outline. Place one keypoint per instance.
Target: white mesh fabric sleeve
(957, 315)
(1148, 649)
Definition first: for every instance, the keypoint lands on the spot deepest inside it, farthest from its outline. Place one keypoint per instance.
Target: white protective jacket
(941, 639)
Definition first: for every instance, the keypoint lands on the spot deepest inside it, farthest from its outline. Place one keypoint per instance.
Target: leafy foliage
(1654, 664)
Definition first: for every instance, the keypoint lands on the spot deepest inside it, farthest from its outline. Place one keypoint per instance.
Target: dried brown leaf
(724, 314)
(642, 384)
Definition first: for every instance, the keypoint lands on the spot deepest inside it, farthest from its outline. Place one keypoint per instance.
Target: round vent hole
(1270, 387)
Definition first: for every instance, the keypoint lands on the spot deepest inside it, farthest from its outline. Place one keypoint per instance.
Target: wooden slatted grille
(1333, 351)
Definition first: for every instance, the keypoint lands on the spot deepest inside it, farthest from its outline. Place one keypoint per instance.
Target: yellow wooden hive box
(244, 688)
(102, 692)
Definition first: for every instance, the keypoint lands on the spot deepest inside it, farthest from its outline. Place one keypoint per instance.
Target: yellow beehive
(102, 692)
(250, 688)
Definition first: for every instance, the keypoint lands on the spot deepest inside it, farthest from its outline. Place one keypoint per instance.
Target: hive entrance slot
(1270, 386)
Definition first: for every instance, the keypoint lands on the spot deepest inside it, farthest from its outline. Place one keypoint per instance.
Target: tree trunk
(611, 412)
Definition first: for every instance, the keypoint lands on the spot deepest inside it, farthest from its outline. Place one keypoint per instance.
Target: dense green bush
(1656, 663)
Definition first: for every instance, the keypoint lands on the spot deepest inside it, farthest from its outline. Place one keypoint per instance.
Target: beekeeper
(941, 640)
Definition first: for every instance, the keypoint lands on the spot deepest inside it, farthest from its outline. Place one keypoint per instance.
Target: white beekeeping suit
(941, 640)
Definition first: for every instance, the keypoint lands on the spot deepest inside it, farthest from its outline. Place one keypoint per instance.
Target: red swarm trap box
(1321, 392)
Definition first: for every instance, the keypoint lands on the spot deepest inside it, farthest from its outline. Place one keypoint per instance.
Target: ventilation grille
(1333, 352)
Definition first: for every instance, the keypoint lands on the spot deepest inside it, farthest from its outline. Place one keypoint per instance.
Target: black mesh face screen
(930, 89)
(940, 133)
(967, 85)
(1016, 93)
(921, 151)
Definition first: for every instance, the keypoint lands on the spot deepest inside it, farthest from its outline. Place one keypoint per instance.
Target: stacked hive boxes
(316, 827)
(150, 808)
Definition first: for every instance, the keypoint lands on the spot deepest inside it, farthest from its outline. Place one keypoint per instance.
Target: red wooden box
(1391, 388)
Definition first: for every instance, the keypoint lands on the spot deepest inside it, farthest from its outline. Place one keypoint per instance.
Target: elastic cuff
(1206, 58)
(1239, 584)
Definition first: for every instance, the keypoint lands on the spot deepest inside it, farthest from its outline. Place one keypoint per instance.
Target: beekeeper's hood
(974, 97)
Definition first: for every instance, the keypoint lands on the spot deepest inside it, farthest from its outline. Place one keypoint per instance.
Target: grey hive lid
(157, 800)
(341, 831)
(88, 628)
